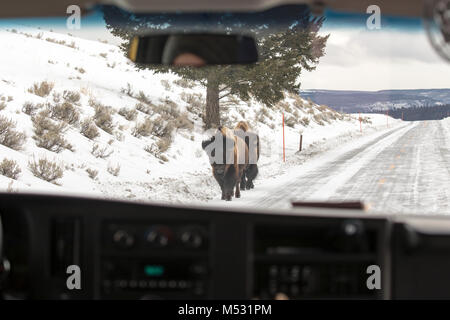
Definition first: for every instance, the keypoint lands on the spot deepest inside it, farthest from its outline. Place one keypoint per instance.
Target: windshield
(339, 108)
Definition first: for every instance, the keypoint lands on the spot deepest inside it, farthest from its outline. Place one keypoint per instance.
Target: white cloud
(376, 60)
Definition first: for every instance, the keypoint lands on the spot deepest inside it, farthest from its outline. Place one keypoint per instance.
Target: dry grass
(129, 114)
(157, 149)
(2, 103)
(304, 121)
(119, 135)
(290, 121)
(319, 119)
(144, 108)
(283, 105)
(103, 117)
(168, 108)
(64, 112)
(128, 91)
(152, 149)
(165, 83)
(31, 109)
(162, 128)
(80, 70)
(57, 97)
(143, 129)
(184, 83)
(42, 89)
(164, 144)
(114, 170)
(63, 43)
(183, 122)
(195, 102)
(102, 153)
(9, 136)
(10, 169)
(142, 97)
(86, 91)
(71, 96)
(92, 173)
(298, 102)
(89, 129)
(46, 170)
(48, 134)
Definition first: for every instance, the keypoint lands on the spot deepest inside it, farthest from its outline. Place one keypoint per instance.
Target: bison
(251, 139)
(228, 156)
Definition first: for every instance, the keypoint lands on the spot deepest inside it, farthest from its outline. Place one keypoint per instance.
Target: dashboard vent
(65, 245)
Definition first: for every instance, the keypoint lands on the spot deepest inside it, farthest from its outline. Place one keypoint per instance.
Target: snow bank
(99, 71)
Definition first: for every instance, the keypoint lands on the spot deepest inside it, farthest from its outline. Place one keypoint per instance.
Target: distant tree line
(418, 113)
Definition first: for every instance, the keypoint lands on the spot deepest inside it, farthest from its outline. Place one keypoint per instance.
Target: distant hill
(364, 101)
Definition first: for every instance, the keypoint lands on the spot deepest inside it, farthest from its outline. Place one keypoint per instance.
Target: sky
(397, 56)
(378, 60)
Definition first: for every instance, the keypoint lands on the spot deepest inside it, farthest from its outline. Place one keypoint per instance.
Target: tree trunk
(212, 114)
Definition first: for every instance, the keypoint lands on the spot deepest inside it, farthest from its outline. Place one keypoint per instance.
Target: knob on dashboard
(191, 238)
(352, 236)
(159, 236)
(123, 239)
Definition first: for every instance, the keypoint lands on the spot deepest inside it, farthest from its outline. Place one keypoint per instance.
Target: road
(404, 170)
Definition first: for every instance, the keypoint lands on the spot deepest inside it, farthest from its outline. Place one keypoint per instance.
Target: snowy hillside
(118, 132)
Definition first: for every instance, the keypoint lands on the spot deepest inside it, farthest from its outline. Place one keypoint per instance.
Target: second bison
(251, 139)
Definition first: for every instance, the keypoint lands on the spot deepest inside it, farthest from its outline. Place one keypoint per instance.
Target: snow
(28, 57)
(401, 170)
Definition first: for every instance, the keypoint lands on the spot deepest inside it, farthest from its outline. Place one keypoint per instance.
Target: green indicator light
(154, 271)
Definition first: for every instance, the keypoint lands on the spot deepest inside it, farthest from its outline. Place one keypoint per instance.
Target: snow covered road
(403, 170)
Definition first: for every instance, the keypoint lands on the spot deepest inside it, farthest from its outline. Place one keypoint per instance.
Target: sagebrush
(65, 111)
(42, 89)
(31, 109)
(89, 129)
(46, 170)
(10, 169)
(103, 117)
(49, 134)
(9, 136)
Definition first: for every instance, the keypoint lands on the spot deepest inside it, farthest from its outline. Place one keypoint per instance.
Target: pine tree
(283, 54)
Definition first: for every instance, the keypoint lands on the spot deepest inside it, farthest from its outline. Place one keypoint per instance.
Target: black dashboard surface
(129, 250)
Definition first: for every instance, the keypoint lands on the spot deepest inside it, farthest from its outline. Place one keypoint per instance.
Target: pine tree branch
(225, 88)
(225, 95)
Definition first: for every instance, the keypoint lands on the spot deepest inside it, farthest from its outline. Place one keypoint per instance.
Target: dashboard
(127, 250)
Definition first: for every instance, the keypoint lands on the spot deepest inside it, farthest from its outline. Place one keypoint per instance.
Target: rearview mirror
(195, 50)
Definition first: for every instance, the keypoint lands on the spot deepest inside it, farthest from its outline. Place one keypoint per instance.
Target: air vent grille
(65, 245)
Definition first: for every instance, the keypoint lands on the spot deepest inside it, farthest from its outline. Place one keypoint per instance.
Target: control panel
(319, 260)
(155, 261)
(142, 251)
